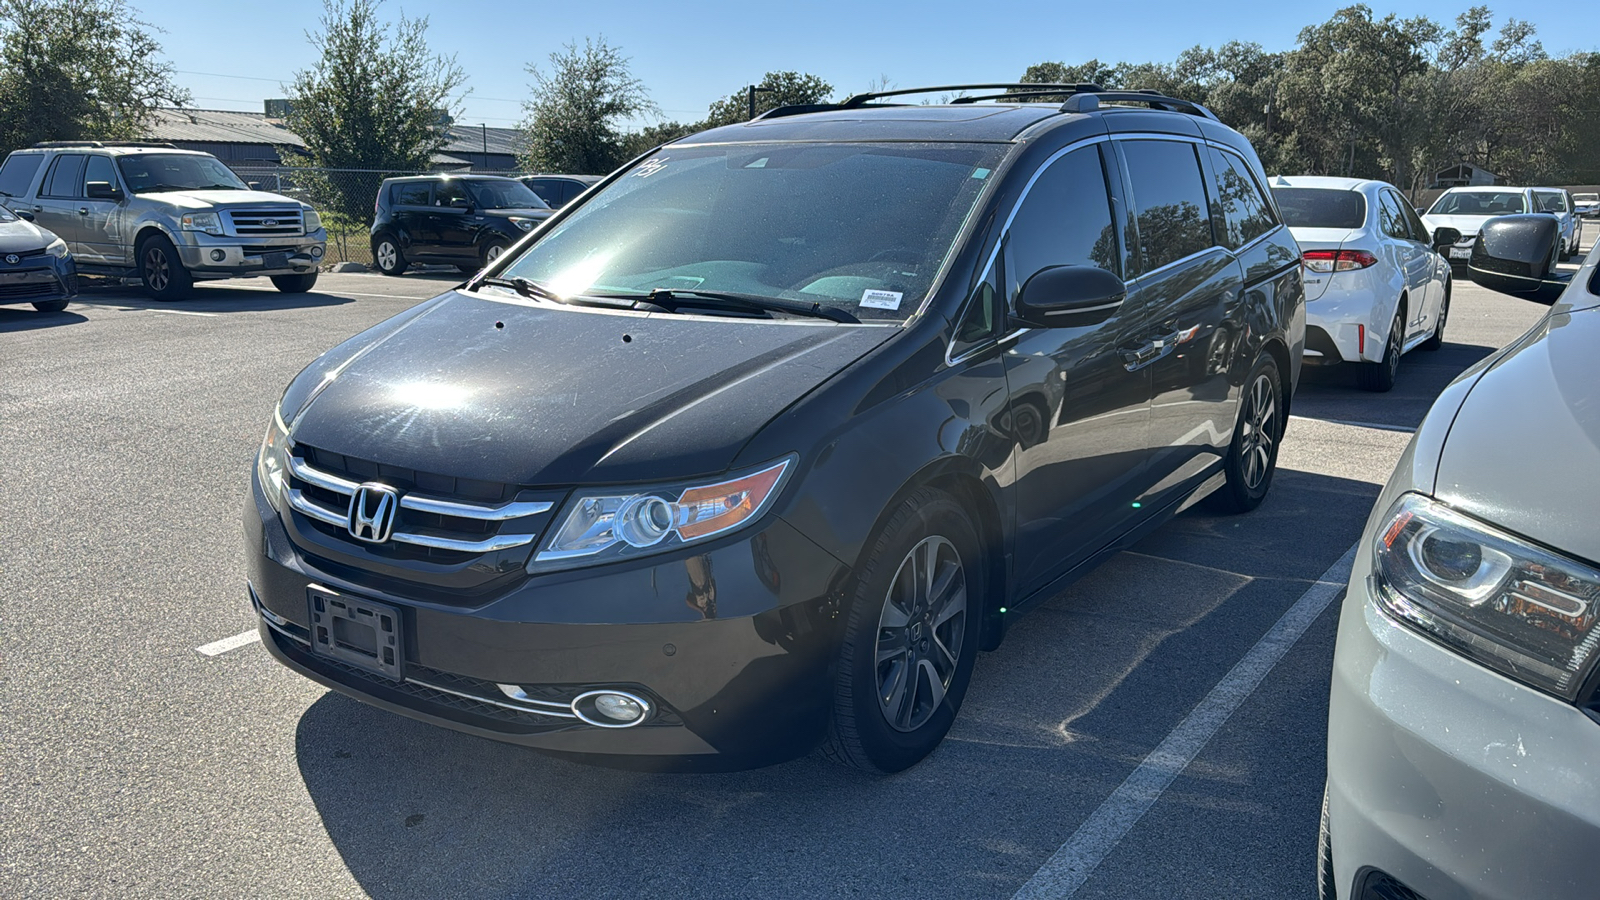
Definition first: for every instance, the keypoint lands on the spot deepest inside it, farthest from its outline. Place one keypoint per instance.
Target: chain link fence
(346, 199)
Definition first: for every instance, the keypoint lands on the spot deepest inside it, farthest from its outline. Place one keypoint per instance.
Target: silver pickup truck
(168, 217)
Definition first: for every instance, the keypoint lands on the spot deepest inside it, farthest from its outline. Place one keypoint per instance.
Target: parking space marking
(1070, 866)
(217, 648)
(183, 312)
(1403, 429)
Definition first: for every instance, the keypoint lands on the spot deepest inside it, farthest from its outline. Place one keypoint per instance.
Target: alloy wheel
(920, 633)
(1260, 431)
(387, 255)
(493, 253)
(156, 272)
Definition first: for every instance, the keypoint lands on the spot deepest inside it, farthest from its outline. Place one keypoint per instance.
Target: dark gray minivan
(752, 448)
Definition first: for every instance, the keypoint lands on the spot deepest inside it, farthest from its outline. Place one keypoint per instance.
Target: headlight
(57, 248)
(310, 219)
(207, 222)
(273, 462)
(1497, 599)
(524, 224)
(600, 527)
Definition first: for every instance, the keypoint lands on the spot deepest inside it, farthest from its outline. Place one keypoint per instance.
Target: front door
(97, 222)
(1078, 406)
(1413, 258)
(453, 225)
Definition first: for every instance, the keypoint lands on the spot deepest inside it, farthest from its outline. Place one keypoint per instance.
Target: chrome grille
(430, 522)
(267, 221)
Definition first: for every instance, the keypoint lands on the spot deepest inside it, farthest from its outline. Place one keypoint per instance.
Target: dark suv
(559, 190)
(753, 448)
(462, 220)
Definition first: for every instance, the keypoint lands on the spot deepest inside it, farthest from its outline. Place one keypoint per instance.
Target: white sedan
(1375, 286)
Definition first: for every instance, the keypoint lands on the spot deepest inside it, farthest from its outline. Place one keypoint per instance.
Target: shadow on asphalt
(1331, 392)
(211, 300)
(26, 318)
(1082, 689)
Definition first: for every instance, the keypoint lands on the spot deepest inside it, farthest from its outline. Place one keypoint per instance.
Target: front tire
(493, 251)
(295, 284)
(1379, 376)
(911, 637)
(50, 306)
(162, 271)
(387, 257)
(1253, 454)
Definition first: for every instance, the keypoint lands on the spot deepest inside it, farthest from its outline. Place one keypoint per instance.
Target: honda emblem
(372, 512)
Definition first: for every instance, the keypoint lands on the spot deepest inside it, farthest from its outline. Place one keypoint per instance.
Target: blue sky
(232, 54)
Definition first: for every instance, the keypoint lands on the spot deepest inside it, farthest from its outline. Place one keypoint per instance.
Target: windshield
(1321, 207)
(1479, 203)
(860, 227)
(155, 172)
(506, 194)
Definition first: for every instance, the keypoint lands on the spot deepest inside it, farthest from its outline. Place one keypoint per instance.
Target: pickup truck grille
(267, 221)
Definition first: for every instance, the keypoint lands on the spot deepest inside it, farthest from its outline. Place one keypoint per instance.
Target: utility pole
(485, 127)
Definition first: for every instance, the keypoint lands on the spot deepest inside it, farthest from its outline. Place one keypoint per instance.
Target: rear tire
(387, 257)
(911, 637)
(1379, 376)
(50, 306)
(162, 271)
(1253, 455)
(295, 284)
(1437, 340)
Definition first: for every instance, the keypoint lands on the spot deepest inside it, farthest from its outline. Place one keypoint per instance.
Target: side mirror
(1445, 237)
(253, 185)
(1516, 255)
(24, 214)
(1066, 296)
(461, 203)
(102, 190)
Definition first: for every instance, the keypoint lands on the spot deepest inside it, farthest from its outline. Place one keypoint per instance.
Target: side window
(64, 179)
(1243, 213)
(548, 191)
(448, 192)
(1169, 201)
(571, 190)
(17, 174)
(1419, 230)
(1065, 220)
(1390, 218)
(98, 168)
(413, 193)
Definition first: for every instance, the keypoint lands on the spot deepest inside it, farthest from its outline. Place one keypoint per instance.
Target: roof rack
(855, 100)
(1083, 97)
(48, 145)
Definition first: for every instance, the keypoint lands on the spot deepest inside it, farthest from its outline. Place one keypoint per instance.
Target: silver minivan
(167, 216)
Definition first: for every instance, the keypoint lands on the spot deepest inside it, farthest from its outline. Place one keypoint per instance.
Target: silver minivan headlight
(1491, 596)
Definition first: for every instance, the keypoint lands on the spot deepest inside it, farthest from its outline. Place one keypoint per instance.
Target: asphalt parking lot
(132, 765)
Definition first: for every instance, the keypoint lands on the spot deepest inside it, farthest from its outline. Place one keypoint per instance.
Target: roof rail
(47, 145)
(859, 99)
(1044, 91)
(1090, 101)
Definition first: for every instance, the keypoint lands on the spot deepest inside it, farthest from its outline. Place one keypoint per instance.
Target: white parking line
(217, 648)
(1403, 429)
(182, 312)
(1070, 866)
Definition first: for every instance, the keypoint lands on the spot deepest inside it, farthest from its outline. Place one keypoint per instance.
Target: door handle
(38, 208)
(1141, 355)
(83, 210)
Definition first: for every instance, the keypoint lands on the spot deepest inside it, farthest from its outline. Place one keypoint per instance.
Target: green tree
(377, 101)
(775, 89)
(652, 136)
(577, 109)
(78, 70)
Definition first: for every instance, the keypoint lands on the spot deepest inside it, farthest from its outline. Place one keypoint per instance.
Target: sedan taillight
(1325, 261)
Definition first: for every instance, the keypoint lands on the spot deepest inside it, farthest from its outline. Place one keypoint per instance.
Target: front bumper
(1450, 778)
(242, 257)
(728, 691)
(38, 278)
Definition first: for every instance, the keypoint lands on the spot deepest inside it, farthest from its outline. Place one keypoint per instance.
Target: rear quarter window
(16, 175)
(1169, 201)
(412, 193)
(1243, 213)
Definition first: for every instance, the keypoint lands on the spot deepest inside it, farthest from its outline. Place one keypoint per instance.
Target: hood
(539, 395)
(1467, 225)
(23, 237)
(219, 199)
(1525, 447)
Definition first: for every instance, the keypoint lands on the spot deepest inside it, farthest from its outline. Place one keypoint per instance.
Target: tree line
(1391, 98)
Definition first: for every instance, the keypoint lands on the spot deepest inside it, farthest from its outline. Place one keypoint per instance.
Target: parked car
(462, 220)
(1586, 205)
(753, 447)
(166, 216)
(559, 190)
(1464, 721)
(1375, 285)
(35, 266)
(1467, 208)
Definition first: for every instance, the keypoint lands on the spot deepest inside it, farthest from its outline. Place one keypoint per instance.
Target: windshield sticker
(651, 166)
(881, 299)
(980, 174)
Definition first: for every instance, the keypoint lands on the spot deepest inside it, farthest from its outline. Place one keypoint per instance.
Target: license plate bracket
(276, 260)
(357, 632)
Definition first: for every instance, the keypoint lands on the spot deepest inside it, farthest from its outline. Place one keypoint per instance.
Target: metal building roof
(220, 126)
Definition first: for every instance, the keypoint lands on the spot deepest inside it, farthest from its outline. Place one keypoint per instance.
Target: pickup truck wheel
(387, 257)
(1253, 455)
(295, 284)
(911, 637)
(162, 270)
(50, 305)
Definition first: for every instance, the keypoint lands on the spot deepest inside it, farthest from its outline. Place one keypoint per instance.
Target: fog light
(610, 709)
(616, 706)
(316, 252)
(218, 256)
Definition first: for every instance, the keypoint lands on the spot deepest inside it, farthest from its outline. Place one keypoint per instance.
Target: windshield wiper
(673, 298)
(533, 290)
